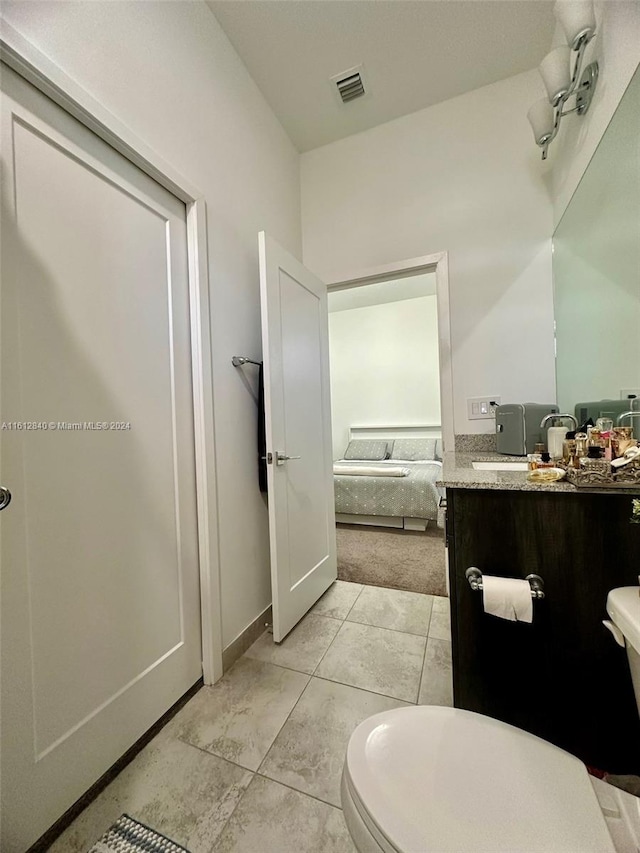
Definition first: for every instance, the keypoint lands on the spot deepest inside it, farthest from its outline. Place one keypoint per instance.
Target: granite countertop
(458, 473)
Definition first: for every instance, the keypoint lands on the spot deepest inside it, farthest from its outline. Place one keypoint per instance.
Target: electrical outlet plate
(480, 408)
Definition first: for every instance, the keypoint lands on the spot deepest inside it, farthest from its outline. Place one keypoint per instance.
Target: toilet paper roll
(507, 598)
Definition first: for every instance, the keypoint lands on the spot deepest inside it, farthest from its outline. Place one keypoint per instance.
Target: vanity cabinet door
(562, 677)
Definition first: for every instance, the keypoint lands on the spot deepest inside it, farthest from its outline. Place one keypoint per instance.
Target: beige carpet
(400, 559)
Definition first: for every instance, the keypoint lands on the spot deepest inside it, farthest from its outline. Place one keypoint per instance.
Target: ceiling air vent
(350, 84)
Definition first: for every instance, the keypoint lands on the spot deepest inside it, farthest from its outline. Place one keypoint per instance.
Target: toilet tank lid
(623, 606)
(444, 779)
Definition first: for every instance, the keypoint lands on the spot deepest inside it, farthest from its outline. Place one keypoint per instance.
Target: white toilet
(428, 779)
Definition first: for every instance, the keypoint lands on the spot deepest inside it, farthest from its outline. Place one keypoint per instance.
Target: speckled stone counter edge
(458, 473)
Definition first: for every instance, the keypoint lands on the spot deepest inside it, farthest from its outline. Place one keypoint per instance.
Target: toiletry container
(555, 439)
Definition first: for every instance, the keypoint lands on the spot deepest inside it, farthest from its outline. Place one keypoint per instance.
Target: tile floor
(253, 764)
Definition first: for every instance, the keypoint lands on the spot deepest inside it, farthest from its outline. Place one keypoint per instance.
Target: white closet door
(100, 586)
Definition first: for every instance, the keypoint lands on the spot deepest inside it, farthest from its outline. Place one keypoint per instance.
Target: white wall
(462, 176)
(617, 49)
(384, 366)
(167, 70)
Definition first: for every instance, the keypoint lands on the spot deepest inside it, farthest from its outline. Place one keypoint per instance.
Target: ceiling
(395, 290)
(415, 53)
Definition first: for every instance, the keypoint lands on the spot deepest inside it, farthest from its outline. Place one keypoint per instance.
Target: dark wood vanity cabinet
(563, 677)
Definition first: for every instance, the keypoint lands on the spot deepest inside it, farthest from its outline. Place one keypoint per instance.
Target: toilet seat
(427, 779)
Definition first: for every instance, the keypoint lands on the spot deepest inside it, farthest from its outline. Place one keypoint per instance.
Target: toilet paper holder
(474, 576)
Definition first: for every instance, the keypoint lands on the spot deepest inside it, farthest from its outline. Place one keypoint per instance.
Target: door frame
(39, 70)
(439, 264)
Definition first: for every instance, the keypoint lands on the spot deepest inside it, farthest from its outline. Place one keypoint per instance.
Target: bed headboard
(396, 431)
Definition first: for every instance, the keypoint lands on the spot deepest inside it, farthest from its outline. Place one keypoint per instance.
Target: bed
(366, 492)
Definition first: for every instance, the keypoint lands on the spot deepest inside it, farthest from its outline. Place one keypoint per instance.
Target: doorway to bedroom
(386, 391)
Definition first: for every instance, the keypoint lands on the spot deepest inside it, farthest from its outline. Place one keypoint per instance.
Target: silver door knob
(281, 458)
(5, 497)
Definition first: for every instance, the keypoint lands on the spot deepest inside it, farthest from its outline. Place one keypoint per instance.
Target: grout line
(335, 635)
(383, 628)
(233, 811)
(372, 691)
(327, 649)
(430, 616)
(298, 791)
(253, 773)
(295, 705)
(262, 760)
(324, 616)
(393, 630)
(364, 689)
(355, 601)
(397, 630)
(282, 666)
(335, 681)
(424, 663)
(215, 755)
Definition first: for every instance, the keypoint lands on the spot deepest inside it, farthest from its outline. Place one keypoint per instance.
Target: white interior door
(295, 342)
(100, 591)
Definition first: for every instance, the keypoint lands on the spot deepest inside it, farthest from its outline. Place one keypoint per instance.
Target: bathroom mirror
(596, 269)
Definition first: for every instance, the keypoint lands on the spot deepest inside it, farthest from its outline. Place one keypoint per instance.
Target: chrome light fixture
(561, 80)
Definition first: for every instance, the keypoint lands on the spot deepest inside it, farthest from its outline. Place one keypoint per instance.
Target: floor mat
(126, 835)
(399, 559)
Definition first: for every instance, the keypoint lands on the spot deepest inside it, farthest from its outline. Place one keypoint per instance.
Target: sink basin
(500, 466)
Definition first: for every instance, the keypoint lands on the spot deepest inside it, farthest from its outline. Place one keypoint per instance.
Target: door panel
(302, 376)
(100, 591)
(298, 424)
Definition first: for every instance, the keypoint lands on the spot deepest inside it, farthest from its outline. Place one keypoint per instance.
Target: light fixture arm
(556, 127)
(577, 67)
(583, 93)
(563, 74)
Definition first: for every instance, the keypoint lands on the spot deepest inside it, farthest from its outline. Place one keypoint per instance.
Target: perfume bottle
(582, 445)
(569, 450)
(546, 461)
(534, 460)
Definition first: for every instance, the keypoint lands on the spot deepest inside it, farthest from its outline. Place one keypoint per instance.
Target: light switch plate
(480, 408)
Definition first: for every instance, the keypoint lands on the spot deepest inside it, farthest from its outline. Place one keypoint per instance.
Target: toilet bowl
(428, 779)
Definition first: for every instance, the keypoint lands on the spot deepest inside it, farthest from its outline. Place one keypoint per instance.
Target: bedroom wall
(384, 366)
(167, 71)
(464, 177)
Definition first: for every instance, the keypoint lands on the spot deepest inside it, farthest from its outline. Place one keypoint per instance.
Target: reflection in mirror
(596, 272)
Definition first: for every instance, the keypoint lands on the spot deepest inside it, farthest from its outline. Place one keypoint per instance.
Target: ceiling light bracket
(584, 93)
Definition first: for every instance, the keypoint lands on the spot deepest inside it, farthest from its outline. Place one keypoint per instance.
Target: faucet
(553, 415)
(630, 414)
